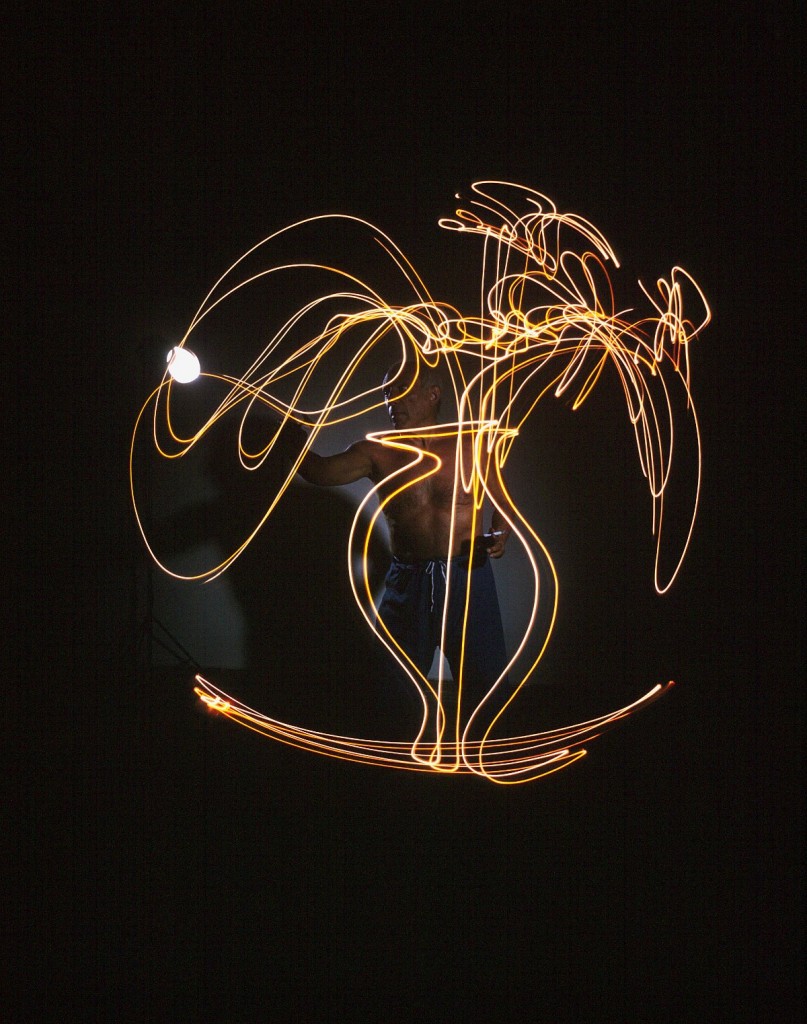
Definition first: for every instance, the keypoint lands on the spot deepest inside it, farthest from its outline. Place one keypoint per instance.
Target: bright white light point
(183, 365)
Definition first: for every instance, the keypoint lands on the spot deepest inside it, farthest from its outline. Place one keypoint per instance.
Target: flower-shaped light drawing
(548, 327)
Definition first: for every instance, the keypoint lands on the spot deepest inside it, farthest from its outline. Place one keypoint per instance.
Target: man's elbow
(313, 470)
(320, 471)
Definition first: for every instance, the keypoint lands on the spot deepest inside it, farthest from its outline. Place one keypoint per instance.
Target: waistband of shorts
(425, 563)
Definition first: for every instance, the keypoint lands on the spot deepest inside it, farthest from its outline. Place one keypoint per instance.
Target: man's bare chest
(423, 478)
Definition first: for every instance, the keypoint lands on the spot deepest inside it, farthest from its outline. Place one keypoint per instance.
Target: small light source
(183, 365)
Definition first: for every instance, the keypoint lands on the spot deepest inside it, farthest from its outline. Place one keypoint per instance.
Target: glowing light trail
(548, 327)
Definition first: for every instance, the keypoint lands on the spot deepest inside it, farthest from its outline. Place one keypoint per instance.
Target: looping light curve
(548, 326)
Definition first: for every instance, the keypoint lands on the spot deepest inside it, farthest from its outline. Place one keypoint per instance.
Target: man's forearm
(499, 524)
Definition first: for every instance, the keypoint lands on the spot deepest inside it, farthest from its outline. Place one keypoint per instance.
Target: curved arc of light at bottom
(517, 759)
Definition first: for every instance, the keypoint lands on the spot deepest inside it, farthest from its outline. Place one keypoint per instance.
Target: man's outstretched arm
(344, 468)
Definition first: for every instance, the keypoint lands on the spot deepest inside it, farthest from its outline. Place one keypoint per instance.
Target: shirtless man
(419, 520)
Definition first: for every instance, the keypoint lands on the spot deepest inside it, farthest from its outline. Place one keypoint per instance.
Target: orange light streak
(548, 327)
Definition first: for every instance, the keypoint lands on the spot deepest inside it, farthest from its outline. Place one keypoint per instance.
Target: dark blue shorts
(412, 610)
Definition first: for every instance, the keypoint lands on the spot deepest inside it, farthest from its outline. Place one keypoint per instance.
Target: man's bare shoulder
(362, 452)
(374, 455)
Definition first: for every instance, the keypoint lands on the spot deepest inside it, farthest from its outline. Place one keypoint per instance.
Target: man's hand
(495, 542)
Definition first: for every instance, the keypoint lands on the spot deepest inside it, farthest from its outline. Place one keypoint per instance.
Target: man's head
(412, 393)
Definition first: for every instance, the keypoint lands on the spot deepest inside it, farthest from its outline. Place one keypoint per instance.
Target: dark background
(168, 865)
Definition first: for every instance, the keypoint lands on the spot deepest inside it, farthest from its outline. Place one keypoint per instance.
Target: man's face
(409, 405)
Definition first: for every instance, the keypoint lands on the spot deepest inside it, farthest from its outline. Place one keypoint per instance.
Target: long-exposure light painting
(548, 327)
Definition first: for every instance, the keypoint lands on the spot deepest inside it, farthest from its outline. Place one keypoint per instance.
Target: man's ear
(434, 393)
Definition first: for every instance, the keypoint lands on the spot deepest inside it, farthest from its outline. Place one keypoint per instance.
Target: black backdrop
(169, 865)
